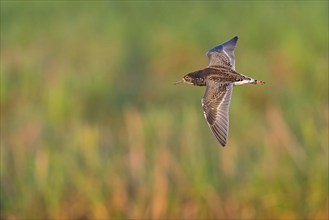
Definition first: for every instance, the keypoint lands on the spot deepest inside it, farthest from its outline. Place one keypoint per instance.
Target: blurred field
(92, 126)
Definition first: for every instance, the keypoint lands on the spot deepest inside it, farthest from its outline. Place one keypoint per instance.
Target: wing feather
(223, 54)
(215, 104)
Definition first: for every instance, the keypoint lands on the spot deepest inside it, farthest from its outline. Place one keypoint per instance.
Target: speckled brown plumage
(219, 77)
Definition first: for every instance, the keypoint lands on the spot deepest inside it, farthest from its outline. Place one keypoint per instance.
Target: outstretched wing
(215, 104)
(223, 55)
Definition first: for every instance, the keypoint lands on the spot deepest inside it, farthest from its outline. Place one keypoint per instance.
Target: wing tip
(221, 137)
(222, 142)
(230, 44)
(234, 40)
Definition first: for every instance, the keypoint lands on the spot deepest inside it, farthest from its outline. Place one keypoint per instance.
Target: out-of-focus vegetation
(93, 127)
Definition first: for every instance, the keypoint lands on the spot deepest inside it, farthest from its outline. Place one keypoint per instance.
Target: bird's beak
(180, 81)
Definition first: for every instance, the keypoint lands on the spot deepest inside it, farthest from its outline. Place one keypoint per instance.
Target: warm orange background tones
(92, 126)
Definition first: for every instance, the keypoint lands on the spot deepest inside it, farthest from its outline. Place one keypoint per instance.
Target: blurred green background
(93, 127)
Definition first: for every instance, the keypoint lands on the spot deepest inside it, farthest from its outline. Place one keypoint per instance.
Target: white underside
(244, 82)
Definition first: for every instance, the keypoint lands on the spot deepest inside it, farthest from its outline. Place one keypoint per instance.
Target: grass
(92, 126)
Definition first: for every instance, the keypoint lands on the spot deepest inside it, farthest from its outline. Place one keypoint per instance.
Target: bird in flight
(219, 77)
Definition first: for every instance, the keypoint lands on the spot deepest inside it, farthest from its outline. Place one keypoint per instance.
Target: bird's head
(186, 79)
(194, 78)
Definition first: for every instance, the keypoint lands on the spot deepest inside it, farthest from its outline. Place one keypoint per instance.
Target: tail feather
(258, 82)
(248, 81)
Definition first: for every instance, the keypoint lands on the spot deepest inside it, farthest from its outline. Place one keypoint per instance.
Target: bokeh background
(92, 126)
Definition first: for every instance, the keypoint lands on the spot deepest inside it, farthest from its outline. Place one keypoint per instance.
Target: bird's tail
(258, 82)
(249, 81)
